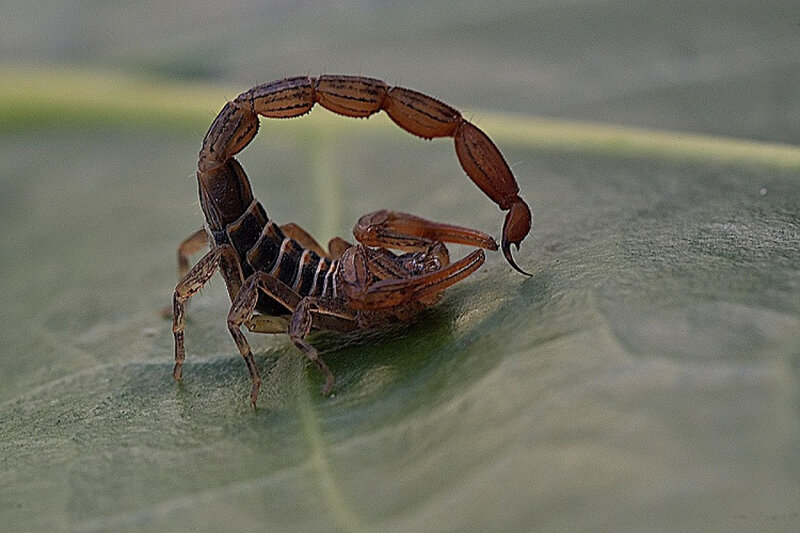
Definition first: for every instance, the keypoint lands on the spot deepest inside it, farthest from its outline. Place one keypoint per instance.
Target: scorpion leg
(336, 246)
(242, 313)
(402, 231)
(299, 328)
(303, 238)
(393, 292)
(191, 245)
(320, 312)
(191, 283)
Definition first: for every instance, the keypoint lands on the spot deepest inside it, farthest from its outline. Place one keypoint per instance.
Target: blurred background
(646, 377)
(723, 67)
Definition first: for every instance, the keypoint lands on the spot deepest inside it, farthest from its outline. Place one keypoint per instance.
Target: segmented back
(263, 247)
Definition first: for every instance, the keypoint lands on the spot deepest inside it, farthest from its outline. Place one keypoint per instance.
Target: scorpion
(279, 279)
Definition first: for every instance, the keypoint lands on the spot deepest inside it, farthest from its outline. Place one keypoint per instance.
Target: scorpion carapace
(280, 280)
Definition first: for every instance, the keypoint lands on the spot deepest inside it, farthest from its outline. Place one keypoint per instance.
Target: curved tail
(224, 188)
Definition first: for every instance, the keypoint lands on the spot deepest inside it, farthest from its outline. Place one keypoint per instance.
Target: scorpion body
(274, 271)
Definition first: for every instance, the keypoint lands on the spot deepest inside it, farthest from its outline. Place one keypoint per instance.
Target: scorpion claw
(515, 228)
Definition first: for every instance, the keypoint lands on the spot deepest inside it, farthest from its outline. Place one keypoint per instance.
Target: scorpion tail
(487, 168)
(515, 228)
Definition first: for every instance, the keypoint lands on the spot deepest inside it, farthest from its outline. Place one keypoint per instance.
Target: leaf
(645, 374)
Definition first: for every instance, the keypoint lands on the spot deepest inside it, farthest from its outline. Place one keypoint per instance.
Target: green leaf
(645, 376)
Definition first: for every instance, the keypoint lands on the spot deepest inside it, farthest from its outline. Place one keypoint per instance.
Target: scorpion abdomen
(262, 246)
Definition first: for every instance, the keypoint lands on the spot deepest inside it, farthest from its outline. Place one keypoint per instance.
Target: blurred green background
(644, 378)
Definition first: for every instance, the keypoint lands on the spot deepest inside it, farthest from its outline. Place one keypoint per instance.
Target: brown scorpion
(284, 274)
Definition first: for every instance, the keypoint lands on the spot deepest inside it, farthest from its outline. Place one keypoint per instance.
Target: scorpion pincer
(280, 280)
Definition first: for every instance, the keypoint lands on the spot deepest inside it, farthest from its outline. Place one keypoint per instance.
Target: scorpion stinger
(280, 280)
